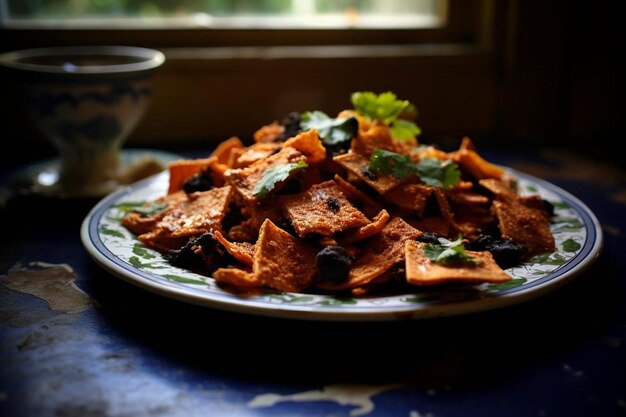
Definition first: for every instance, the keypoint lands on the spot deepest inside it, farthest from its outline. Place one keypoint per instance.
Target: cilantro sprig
(273, 176)
(431, 171)
(450, 253)
(438, 173)
(331, 131)
(387, 108)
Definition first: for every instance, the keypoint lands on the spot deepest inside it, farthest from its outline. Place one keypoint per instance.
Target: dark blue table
(107, 348)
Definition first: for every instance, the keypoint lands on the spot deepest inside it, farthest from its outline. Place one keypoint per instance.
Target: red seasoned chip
(236, 277)
(359, 166)
(522, 219)
(323, 209)
(413, 197)
(139, 223)
(245, 179)
(202, 212)
(242, 251)
(309, 145)
(377, 136)
(527, 225)
(283, 262)
(352, 236)
(420, 270)
(381, 253)
(183, 169)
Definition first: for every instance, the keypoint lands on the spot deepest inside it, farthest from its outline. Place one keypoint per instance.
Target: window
(242, 14)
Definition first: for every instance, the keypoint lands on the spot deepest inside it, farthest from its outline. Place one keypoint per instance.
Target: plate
(576, 230)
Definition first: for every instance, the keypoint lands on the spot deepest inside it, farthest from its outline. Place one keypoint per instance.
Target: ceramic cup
(86, 100)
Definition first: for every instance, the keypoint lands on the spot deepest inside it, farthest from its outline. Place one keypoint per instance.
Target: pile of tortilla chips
(272, 206)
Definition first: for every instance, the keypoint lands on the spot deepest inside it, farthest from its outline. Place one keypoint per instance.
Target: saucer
(40, 179)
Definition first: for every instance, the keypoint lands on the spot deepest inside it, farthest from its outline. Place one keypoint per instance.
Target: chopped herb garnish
(431, 171)
(438, 173)
(449, 253)
(387, 107)
(404, 129)
(273, 176)
(331, 131)
(391, 163)
(384, 106)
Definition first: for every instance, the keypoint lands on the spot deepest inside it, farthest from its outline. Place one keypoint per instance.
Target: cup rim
(151, 59)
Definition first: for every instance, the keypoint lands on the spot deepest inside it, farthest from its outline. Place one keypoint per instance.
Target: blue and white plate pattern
(576, 230)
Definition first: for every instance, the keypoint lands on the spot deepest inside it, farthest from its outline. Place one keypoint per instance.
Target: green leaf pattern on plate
(568, 229)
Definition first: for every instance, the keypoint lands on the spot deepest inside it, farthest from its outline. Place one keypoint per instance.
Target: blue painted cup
(86, 100)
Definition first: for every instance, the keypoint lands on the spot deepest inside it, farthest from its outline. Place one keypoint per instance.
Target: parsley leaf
(273, 176)
(450, 253)
(438, 173)
(385, 106)
(431, 171)
(391, 163)
(331, 131)
(404, 129)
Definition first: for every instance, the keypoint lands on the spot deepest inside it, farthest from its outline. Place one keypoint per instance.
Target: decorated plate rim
(375, 308)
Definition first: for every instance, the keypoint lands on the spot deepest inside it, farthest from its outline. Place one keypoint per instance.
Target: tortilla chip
(282, 261)
(368, 205)
(200, 213)
(359, 166)
(381, 253)
(523, 219)
(323, 210)
(467, 230)
(254, 153)
(466, 198)
(526, 225)
(499, 188)
(268, 133)
(183, 169)
(422, 271)
(139, 223)
(378, 136)
(255, 215)
(413, 197)
(352, 236)
(433, 224)
(236, 277)
(245, 179)
(223, 150)
(472, 162)
(242, 251)
(309, 145)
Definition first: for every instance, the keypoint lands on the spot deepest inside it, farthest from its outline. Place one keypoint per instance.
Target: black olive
(201, 181)
(549, 207)
(506, 252)
(291, 125)
(333, 263)
(198, 254)
(429, 237)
